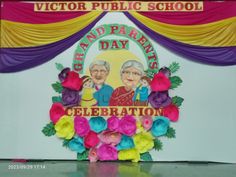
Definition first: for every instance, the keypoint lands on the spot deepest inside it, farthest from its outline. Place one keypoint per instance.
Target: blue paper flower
(77, 144)
(125, 143)
(160, 126)
(98, 124)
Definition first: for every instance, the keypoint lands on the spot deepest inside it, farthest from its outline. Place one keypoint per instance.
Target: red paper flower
(56, 112)
(160, 82)
(72, 81)
(91, 139)
(171, 112)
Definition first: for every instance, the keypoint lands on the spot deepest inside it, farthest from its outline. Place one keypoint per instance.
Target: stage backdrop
(206, 128)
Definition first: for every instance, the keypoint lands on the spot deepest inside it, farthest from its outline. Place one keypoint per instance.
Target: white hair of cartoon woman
(133, 63)
(100, 63)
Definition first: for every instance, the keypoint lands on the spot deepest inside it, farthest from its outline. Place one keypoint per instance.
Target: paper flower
(70, 97)
(65, 127)
(160, 126)
(72, 81)
(107, 152)
(139, 127)
(171, 112)
(159, 99)
(77, 144)
(81, 126)
(98, 124)
(93, 156)
(125, 143)
(113, 123)
(129, 154)
(91, 139)
(143, 141)
(165, 71)
(160, 82)
(63, 74)
(146, 122)
(110, 137)
(56, 112)
(128, 125)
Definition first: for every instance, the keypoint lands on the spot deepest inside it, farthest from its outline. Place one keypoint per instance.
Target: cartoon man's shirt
(103, 95)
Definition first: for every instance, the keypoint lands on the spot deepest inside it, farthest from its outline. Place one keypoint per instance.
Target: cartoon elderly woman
(131, 73)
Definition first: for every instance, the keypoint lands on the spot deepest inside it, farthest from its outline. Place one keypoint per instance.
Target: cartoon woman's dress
(87, 99)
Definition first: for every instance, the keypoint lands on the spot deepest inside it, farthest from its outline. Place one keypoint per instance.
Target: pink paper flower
(93, 156)
(171, 112)
(91, 139)
(160, 82)
(146, 122)
(110, 137)
(127, 125)
(107, 152)
(72, 81)
(81, 126)
(113, 123)
(56, 112)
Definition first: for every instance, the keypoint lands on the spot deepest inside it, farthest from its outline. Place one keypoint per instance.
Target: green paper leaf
(49, 129)
(59, 66)
(83, 155)
(170, 133)
(56, 99)
(146, 156)
(66, 143)
(57, 87)
(174, 67)
(175, 81)
(157, 144)
(150, 73)
(177, 100)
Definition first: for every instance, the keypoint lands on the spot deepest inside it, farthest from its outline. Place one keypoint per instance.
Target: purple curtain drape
(18, 59)
(221, 56)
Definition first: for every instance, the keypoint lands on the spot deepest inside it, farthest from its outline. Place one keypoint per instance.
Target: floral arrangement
(114, 138)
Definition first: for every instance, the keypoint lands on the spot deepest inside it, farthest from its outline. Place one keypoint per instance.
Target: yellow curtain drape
(15, 34)
(216, 34)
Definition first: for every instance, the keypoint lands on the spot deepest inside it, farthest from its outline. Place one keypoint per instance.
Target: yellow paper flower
(143, 142)
(139, 127)
(65, 127)
(129, 154)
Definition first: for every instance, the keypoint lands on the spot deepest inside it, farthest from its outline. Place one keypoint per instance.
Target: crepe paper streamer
(215, 34)
(222, 56)
(18, 59)
(15, 34)
(213, 11)
(24, 12)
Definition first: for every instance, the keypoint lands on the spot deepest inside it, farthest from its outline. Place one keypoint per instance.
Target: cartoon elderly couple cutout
(134, 92)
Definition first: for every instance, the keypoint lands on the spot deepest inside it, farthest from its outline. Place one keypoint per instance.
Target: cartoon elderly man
(99, 71)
